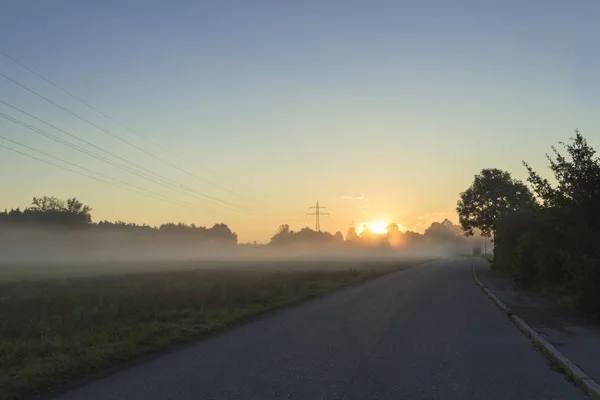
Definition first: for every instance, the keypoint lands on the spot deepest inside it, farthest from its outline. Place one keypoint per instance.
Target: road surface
(423, 333)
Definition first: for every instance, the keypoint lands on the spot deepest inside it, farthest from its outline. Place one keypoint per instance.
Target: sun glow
(378, 227)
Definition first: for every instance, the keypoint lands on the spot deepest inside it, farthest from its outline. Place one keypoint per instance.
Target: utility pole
(318, 214)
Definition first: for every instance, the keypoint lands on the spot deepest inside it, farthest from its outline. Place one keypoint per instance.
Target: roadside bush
(527, 247)
(510, 248)
(585, 271)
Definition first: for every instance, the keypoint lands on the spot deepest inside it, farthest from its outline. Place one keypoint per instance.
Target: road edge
(588, 385)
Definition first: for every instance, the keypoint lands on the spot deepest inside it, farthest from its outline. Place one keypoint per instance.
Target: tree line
(51, 213)
(443, 233)
(546, 233)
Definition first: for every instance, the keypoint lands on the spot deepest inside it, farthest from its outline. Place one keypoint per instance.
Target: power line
(113, 120)
(96, 109)
(80, 149)
(180, 202)
(108, 133)
(76, 147)
(161, 177)
(318, 215)
(85, 103)
(156, 196)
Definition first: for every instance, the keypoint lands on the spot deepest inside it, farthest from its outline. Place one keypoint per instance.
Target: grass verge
(53, 331)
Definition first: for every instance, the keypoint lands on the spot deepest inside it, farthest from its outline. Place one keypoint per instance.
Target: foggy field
(66, 327)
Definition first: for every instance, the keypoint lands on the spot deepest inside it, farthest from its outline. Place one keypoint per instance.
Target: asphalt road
(424, 333)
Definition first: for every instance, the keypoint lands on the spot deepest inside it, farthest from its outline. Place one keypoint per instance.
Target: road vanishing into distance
(422, 333)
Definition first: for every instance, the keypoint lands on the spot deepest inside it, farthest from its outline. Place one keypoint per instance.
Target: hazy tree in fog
(412, 238)
(338, 237)
(283, 229)
(352, 236)
(394, 236)
(283, 236)
(392, 228)
(305, 236)
(366, 231)
(220, 233)
(492, 195)
(443, 231)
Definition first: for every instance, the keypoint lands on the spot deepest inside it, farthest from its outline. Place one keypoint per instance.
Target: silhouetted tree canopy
(578, 181)
(51, 212)
(492, 195)
(556, 242)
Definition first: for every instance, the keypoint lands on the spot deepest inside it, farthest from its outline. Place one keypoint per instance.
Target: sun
(378, 227)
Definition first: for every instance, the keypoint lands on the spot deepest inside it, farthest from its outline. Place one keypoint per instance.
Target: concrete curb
(589, 386)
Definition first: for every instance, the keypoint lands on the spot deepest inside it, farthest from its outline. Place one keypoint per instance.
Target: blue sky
(285, 103)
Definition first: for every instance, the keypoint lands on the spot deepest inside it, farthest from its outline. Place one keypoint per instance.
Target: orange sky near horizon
(248, 115)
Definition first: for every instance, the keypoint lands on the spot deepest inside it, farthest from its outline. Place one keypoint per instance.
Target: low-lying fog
(28, 253)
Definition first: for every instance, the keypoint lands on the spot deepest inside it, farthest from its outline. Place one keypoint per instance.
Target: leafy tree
(492, 195)
(45, 204)
(571, 209)
(578, 180)
(53, 211)
(338, 236)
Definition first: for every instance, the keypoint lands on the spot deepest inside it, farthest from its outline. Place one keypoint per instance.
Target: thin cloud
(352, 198)
(424, 221)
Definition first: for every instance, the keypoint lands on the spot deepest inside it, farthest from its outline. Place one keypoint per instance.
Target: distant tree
(305, 236)
(338, 236)
(443, 231)
(352, 236)
(220, 233)
(283, 229)
(366, 231)
(53, 211)
(392, 228)
(46, 204)
(394, 237)
(283, 236)
(492, 195)
(412, 238)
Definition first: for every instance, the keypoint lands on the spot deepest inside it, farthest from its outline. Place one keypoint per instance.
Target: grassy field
(55, 330)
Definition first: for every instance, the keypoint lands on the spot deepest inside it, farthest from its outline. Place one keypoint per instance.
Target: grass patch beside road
(57, 330)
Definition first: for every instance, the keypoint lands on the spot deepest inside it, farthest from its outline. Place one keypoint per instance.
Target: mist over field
(39, 253)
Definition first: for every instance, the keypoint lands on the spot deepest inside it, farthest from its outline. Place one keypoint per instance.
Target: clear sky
(283, 103)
